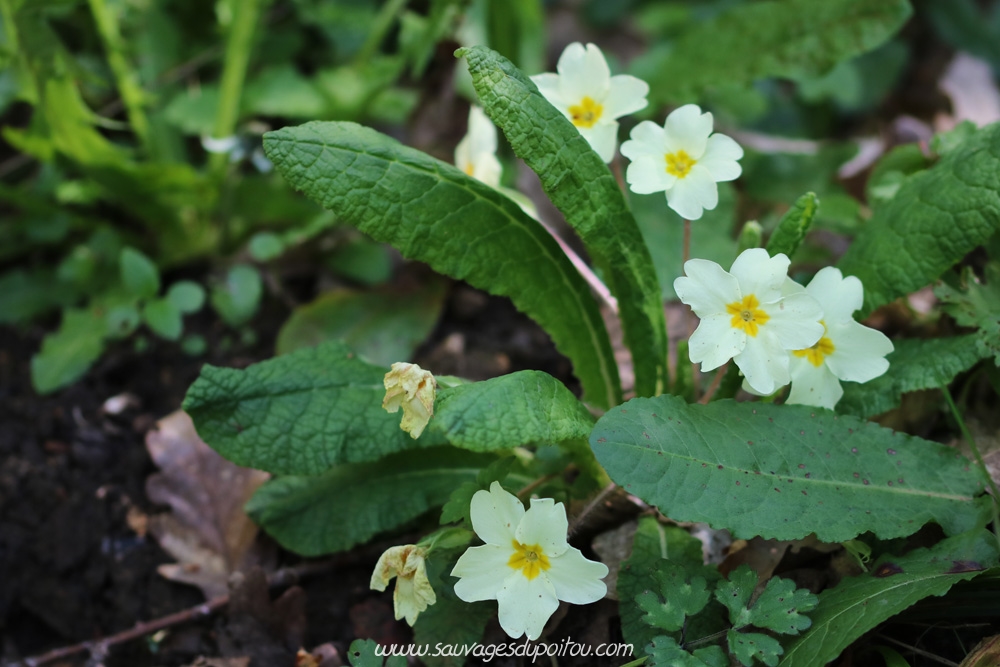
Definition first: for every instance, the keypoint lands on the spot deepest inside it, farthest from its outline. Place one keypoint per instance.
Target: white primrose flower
(413, 592)
(476, 153)
(746, 318)
(526, 564)
(683, 158)
(847, 350)
(586, 93)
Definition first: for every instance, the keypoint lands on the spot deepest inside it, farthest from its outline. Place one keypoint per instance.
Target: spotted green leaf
(784, 471)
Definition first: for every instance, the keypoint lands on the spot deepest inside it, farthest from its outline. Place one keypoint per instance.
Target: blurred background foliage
(135, 192)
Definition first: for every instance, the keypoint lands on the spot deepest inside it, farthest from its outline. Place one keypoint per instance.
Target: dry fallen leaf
(207, 530)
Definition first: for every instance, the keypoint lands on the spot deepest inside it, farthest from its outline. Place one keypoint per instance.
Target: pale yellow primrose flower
(526, 564)
(585, 92)
(413, 593)
(746, 317)
(847, 350)
(683, 158)
(476, 153)
(410, 387)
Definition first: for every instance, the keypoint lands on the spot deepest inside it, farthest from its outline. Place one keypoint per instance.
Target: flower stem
(714, 387)
(975, 452)
(686, 248)
(125, 76)
(380, 28)
(636, 662)
(598, 499)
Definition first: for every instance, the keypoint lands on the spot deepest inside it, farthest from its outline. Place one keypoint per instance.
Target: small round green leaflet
(785, 471)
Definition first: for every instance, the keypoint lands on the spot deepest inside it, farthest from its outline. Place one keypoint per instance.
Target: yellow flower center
(747, 315)
(818, 352)
(586, 113)
(469, 169)
(529, 559)
(679, 163)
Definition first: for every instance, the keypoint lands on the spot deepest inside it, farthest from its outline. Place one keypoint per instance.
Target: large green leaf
(433, 212)
(297, 414)
(509, 411)
(913, 365)
(787, 38)
(937, 217)
(350, 504)
(784, 471)
(858, 604)
(583, 188)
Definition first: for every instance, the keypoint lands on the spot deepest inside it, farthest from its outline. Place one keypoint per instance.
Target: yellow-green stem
(125, 77)
(384, 20)
(979, 457)
(246, 14)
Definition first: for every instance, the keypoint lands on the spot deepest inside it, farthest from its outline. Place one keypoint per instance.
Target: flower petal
(648, 174)
(602, 137)
(495, 515)
(838, 295)
(720, 158)
(858, 352)
(794, 321)
(525, 605)
(550, 88)
(576, 579)
(583, 73)
(706, 287)
(760, 274)
(646, 139)
(813, 385)
(482, 571)
(689, 194)
(715, 342)
(544, 524)
(687, 129)
(626, 94)
(764, 363)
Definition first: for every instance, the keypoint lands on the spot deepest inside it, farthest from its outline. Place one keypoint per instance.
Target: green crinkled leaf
(793, 226)
(913, 365)
(653, 545)
(383, 326)
(580, 184)
(774, 38)
(433, 212)
(784, 471)
(298, 414)
(69, 352)
(664, 651)
(977, 305)
(361, 653)
(352, 503)
(937, 217)
(509, 411)
(777, 608)
(678, 597)
(858, 604)
(747, 646)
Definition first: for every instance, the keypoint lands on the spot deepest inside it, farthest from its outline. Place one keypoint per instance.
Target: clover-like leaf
(665, 652)
(749, 645)
(777, 607)
(679, 596)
